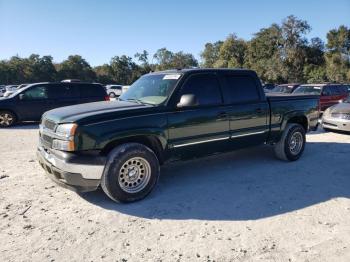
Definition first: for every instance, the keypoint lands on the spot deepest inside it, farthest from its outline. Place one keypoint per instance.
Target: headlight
(66, 131)
(63, 145)
(65, 134)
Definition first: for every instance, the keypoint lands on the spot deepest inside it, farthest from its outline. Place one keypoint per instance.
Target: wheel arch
(151, 141)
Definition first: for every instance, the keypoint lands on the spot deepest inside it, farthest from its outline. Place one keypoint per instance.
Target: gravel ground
(244, 206)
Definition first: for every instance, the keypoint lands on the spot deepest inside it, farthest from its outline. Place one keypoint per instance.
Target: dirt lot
(244, 206)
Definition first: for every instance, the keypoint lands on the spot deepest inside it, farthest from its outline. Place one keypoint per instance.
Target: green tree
(211, 53)
(338, 55)
(166, 59)
(231, 53)
(76, 67)
(294, 47)
(103, 74)
(123, 70)
(264, 54)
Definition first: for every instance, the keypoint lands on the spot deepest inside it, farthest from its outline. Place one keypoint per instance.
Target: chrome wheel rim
(296, 143)
(6, 119)
(134, 175)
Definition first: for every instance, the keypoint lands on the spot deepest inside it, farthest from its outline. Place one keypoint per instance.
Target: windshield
(311, 90)
(283, 89)
(151, 89)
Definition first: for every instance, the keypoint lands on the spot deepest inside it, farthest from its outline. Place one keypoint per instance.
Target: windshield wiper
(137, 101)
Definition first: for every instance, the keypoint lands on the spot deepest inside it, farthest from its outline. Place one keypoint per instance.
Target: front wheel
(131, 172)
(112, 95)
(292, 143)
(7, 119)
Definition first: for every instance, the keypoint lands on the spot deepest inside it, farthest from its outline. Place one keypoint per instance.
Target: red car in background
(330, 94)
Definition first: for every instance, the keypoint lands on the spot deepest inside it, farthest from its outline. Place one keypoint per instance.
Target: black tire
(113, 174)
(284, 149)
(7, 118)
(112, 95)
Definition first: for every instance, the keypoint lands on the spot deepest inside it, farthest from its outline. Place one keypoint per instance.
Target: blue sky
(98, 30)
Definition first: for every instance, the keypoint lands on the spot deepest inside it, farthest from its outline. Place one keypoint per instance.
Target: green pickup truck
(166, 116)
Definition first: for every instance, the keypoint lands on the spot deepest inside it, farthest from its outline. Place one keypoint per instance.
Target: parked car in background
(285, 88)
(167, 116)
(30, 102)
(330, 94)
(348, 87)
(11, 87)
(8, 93)
(114, 90)
(337, 117)
(268, 86)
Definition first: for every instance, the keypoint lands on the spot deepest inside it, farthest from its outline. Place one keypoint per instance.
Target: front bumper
(336, 123)
(78, 173)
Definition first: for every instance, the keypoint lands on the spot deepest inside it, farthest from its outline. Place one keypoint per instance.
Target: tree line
(280, 53)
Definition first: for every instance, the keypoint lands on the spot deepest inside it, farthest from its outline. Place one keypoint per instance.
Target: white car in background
(114, 90)
(11, 87)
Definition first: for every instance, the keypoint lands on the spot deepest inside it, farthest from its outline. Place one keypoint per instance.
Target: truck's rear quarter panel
(285, 107)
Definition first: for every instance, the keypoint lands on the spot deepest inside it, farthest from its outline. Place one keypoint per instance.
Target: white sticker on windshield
(317, 87)
(172, 76)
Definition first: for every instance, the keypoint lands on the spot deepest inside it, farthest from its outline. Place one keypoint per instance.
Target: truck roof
(199, 70)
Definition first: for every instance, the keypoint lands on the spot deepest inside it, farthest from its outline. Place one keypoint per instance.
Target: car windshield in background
(151, 89)
(311, 90)
(283, 89)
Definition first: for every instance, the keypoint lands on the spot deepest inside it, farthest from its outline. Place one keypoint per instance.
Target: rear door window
(64, 91)
(91, 90)
(241, 89)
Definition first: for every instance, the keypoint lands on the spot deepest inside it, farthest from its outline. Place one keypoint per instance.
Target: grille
(341, 116)
(46, 141)
(49, 124)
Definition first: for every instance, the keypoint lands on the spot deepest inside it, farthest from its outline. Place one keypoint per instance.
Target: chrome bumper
(83, 167)
(336, 123)
(66, 172)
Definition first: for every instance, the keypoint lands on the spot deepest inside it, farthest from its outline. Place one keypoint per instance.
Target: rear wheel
(7, 118)
(112, 95)
(131, 172)
(292, 143)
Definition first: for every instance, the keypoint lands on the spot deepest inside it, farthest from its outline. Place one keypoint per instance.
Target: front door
(33, 102)
(202, 129)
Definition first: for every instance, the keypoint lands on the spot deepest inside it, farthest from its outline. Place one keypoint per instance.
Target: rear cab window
(240, 89)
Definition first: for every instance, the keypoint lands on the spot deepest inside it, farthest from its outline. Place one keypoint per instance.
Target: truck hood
(97, 110)
(342, 108)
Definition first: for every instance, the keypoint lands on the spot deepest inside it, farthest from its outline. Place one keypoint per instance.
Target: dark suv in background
(29, 103)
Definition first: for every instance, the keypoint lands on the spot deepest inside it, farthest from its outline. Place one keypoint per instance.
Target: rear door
(202, 129)
(33, 102)
(247, 108)
(64, 94)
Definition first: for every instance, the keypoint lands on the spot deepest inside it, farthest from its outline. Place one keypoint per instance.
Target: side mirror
(21, 96)
(187, 100)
